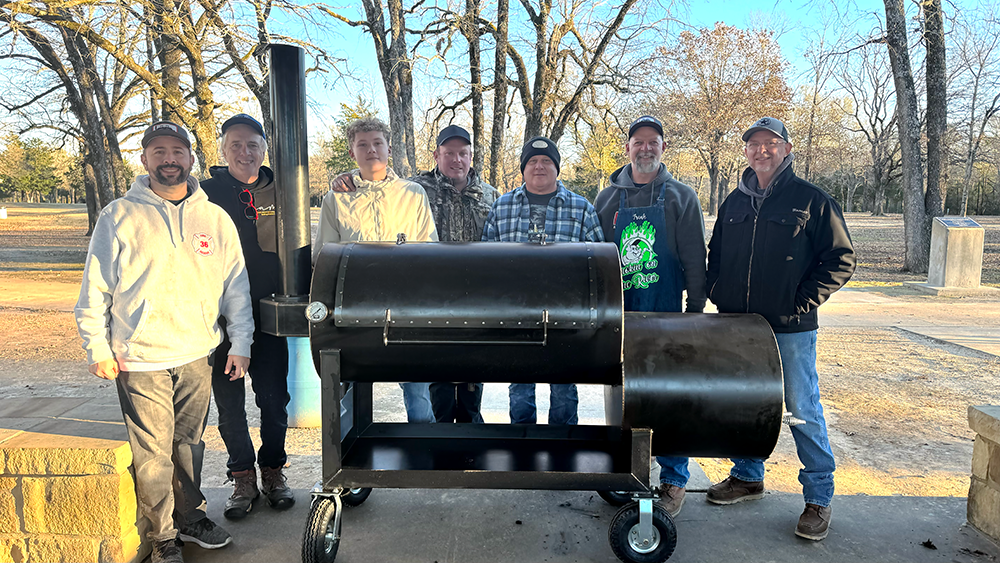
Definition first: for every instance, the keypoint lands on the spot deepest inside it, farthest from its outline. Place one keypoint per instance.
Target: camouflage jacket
(459, 215)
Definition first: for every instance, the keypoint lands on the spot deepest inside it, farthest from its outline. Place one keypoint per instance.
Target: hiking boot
(671, 498)
(274, 487)
(733, 490)
(167, 551)
(245, 491)
(814, 524)
(206, 533)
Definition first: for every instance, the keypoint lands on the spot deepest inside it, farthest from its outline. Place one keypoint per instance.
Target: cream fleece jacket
(376, 212)
(157, 277)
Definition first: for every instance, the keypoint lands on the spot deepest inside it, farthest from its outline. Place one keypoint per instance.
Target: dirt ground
(896, 402)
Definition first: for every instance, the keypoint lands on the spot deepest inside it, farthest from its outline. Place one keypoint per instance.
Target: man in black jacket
(245, 189)
(780, 248)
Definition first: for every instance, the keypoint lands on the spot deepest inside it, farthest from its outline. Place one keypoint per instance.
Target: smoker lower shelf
(488, 456)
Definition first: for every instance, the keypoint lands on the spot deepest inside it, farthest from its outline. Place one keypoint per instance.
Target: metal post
(290, 159)
(283, 314)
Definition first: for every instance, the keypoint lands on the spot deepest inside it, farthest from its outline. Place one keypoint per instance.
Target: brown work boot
(814, 524)
(245, 492)
(733, 490)
(671, 498)
(274, 487)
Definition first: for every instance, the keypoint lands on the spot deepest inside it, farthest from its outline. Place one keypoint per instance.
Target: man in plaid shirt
(542, 210)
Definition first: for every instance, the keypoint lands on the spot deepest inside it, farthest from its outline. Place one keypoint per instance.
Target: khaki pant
(165, 412)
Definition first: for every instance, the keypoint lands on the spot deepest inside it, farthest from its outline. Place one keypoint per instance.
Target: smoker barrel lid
(496, 286)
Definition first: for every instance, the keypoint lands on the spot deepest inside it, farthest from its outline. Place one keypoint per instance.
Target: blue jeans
(563, 400)
(417, 400)
(673, 471)
(798, 360)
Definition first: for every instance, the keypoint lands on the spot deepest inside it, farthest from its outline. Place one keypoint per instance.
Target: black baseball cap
(244, 119)
(165, 129)
(645, 121)
(767, 124)
(452, 132)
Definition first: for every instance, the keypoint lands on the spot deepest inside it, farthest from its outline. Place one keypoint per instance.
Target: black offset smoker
(678, 384)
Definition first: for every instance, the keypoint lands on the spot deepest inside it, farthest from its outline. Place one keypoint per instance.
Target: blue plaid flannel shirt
(569, 218)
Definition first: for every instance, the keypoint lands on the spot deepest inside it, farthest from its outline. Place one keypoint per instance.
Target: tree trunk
(937, 114)
(90, 188)
(390, 50)
(167, 45)
(85, 66)
(499, 92)
(908, 123)
(471, 27)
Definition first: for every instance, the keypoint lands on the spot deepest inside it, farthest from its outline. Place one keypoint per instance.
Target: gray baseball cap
(767, 124)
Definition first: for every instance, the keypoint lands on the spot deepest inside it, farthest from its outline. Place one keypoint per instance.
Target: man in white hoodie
(163, 264)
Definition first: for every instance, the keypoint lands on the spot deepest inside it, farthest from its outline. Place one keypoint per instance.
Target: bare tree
(396, 66)
(937, 113)
(917, 243)
(871, 113)
(565, 75)
(499, 91)
(977, 53)
(714, 82)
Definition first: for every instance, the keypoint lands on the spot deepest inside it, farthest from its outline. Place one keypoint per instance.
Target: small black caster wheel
(616, 498)
(626, 544)
(322, 536)
(354, 497)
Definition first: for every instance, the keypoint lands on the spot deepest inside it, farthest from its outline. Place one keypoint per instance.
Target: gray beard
(653, 166)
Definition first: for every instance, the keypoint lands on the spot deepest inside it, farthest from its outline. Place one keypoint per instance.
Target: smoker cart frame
(360, 454)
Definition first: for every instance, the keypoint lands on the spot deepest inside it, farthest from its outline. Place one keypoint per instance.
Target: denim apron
(651, 273)
(652, 280)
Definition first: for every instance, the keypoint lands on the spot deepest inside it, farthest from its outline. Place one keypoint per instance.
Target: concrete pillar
(956, 253)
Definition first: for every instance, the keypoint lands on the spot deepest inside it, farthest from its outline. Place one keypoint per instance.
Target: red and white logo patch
(203, 244)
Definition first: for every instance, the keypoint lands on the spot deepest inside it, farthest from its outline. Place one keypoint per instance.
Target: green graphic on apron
(637, 255)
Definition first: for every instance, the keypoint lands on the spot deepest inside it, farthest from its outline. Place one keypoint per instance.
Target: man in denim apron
(657, 224)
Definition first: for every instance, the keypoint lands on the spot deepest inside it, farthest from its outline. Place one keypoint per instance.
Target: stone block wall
(983, 510)
(66, 499)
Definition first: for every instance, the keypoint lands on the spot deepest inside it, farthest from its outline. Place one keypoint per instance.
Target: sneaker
(167, 551)
(814, 524)
(671, 498)
(733, 490)
(245, 491)
(274, 487)
(206, 533)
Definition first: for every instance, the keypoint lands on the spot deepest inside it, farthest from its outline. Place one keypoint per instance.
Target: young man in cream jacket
(383, 207)
(164, 263)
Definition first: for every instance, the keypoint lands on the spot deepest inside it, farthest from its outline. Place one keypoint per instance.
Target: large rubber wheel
(321, 538)
(354, 497)
(616, 498)
(624, 536)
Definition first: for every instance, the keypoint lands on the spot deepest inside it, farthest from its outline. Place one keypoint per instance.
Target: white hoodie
(157, 277)
(376, 212)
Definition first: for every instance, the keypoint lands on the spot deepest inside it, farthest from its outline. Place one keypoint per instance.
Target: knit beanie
(539, 146)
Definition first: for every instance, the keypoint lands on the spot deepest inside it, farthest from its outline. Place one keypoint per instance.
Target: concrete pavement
(425, 526)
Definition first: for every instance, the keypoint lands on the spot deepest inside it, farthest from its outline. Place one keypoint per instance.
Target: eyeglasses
(250, 212)
(770, 145)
